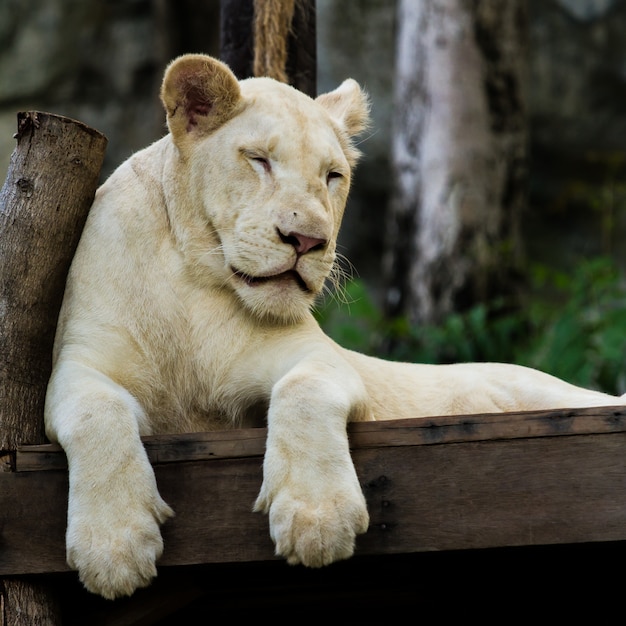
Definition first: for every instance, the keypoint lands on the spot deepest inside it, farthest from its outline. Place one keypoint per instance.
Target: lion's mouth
(254, 281)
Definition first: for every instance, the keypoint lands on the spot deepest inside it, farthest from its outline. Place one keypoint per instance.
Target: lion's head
(268, 169)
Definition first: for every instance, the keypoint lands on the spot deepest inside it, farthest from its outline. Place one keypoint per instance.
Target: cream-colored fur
(187, 308)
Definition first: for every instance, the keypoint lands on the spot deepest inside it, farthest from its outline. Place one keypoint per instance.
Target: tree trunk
(25, 603)
(459, 154)
(44, 202)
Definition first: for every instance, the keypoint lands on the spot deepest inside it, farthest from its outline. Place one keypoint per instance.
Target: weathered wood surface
(52, 178)
(537, 478)
(50, 184)
(29, 603)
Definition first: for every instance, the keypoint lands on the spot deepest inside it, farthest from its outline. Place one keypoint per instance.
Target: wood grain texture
(29, 603)
(530, 479)
(424, 431)
(50, 184)
(51, 181)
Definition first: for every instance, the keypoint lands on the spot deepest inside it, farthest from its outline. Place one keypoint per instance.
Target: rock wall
(99, 61)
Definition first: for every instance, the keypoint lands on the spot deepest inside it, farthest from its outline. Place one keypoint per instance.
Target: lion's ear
(348, 105)
(199, 94)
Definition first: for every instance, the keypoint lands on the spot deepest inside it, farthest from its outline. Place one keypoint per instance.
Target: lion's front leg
(114, 510)
(310, 487)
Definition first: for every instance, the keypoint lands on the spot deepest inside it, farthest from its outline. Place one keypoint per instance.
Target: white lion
(187, 308)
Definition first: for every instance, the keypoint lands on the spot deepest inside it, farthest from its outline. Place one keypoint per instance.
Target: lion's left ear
(199, 94)
(348, 105)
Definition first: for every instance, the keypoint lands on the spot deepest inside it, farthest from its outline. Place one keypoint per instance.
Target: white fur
(161, 332)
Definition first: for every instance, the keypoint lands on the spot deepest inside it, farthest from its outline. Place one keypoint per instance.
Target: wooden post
(51, 181)
(25, 603)
(44, 202)
(237, 42)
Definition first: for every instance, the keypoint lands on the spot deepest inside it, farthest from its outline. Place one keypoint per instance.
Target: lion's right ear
(199, 94)
(348, 105)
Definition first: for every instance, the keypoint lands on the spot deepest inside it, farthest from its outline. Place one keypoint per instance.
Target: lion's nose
(302, 243)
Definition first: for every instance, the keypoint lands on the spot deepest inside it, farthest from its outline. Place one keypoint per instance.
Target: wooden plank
(509, 490)
(161, 449)
(523, 492)
(425, 431)
(489, 426)
(33, 508)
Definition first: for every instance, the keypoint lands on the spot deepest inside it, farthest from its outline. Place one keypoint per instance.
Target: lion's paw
(315, 533)
(114, 557)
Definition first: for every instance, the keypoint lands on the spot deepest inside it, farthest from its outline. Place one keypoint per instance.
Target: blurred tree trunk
(459, 155)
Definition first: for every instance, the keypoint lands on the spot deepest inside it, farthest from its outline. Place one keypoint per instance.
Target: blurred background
(488, 212)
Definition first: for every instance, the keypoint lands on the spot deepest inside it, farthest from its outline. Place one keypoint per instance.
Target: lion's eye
(257, 158)
(262, 161)
(333, 176)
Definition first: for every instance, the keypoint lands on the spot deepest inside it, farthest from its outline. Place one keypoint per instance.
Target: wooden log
(250, 442)
(51, 181)
(27, 604)
(467, 482)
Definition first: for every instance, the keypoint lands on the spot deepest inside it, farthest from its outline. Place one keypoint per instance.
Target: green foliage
(572, 326)
(580, 337)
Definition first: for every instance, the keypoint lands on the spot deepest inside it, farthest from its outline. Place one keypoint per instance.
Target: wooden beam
(425, 431)
(525, 479)
(28, 603)
(50, 184)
